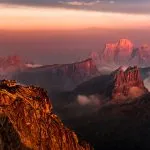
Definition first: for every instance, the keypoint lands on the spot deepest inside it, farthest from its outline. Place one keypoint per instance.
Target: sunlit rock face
(128, 84)
(79, 70)
(27, 121)
(118, 53)
(124, 52)
(109, 53)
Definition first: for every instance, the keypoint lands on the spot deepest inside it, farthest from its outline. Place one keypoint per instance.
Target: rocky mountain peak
(28, 122)
(124, 52)
(125, 43)
(118, 52)
(128, 84)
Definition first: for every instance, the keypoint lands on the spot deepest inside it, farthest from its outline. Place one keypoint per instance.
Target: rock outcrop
(118, 53)
(63, 77)
(121, 85)
(124, 52)
(27, 121)
(128, 84)
(82, 69)
(109, 53)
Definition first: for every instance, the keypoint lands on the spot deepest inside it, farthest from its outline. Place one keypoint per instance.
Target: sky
(65, 15)
(67, 25)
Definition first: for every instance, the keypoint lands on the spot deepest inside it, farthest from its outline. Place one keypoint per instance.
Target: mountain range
(118, 86)
(111, 111)
(63, 77)
(123, 52)
(106, 110)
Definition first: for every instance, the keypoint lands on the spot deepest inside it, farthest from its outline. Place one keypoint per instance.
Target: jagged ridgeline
(27, 121)
(124, 52)
(128, 84)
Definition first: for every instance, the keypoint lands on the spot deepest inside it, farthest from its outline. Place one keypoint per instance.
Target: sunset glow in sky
(16, 17)
(62, 31)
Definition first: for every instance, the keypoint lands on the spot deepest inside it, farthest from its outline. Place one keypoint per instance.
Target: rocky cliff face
(122, 84)
(81, 70)
(27, 121)
(124, 53)
(10, 65)
(128, 84)
(124, 49)
(63, 77)
(109, 53)
(119, 52)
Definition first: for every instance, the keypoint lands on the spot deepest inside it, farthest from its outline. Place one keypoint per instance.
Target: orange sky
(38, 18)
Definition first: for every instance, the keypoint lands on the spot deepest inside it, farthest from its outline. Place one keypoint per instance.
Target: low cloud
(88, 100)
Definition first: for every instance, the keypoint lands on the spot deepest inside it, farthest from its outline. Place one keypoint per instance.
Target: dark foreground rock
(124, 126)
